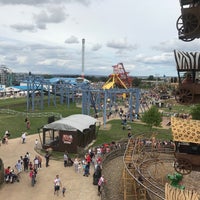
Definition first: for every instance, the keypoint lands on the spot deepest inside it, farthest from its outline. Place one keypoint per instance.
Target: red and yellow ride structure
(118, 79)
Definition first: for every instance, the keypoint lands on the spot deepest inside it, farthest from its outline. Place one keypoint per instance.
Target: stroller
(69, 163)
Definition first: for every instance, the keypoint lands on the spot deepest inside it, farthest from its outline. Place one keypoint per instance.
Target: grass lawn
(13, 118)
(16, 125)
(14, 121)
(116, 133)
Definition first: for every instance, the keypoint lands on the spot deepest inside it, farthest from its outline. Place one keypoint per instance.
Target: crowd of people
(23, 164)
(91, 163)
(92, 159)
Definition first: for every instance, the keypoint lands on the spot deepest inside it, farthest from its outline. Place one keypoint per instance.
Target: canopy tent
(69, 134)
(72, 123)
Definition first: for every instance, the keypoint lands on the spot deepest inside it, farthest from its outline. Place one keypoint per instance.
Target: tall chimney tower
(83, 57)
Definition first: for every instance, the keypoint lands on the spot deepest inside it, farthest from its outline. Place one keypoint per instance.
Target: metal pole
(83, 57)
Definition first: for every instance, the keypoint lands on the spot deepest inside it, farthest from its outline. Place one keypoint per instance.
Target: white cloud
(53, 15)
(37, 36)
(24, 27)
(121, 45)
(96, 47)
(22, 60)
(72, 40)
(38, 2)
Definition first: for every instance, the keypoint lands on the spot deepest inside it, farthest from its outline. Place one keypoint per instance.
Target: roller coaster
(141, 163)
(145, 171)
(91, 98)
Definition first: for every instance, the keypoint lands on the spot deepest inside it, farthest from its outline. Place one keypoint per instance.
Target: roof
(187, 61)
(23, 87)
(69, 80)
(72, 123)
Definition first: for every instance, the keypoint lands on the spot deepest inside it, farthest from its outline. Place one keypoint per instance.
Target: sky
(45, 36)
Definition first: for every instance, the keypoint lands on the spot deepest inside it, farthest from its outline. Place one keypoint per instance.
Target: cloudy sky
(45, 36)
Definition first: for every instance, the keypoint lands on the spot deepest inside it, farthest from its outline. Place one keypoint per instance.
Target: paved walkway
(78, 186)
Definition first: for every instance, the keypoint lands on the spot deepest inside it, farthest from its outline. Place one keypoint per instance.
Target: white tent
(72, 123)
(11, 89)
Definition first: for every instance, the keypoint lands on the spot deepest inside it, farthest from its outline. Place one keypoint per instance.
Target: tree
(136, 81)
(195, 112)
(151, 77)
(152, 117)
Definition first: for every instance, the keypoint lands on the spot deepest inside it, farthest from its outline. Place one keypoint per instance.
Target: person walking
(18, 167)
(36, 162)
(87, 170)
(32, 175)
(101, 182)
(57, 185)
(76, 164)
(39, 162)
(63, 191)
(25, 163)
(23, 137)
(47, 157)
(97, 175)
(28, 124)
(36, 143)
(65, 157)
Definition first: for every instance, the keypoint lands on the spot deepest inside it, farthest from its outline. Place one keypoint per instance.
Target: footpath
(79, 187)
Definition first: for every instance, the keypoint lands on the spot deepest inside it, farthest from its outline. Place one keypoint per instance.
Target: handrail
(44, 114)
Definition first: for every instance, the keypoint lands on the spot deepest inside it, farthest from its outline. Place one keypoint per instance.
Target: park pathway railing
(30, 114)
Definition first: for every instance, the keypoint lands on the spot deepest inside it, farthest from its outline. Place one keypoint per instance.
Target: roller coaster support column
(86, 98)
(137, 103)
(104, 107)
(131, 106)
(34, 84)
(28, 89)
(68, 96)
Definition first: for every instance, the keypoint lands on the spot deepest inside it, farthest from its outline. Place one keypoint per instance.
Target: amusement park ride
(119, 78)
(91, 98)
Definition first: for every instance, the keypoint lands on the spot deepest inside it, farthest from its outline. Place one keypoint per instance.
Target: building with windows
(6, 76)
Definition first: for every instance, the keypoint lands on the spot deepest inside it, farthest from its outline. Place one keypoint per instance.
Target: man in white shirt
(18, 166)
(23, 137)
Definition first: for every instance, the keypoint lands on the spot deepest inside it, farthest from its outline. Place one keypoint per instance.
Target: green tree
(195, 112)
(152, 117)
(151, 77)
(136, 81)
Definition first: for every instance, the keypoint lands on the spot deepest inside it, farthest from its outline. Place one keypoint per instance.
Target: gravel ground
(113, 174)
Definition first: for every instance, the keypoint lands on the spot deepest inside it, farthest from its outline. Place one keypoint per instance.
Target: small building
(70, 133)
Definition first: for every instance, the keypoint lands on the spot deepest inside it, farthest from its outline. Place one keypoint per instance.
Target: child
(79, 167)
(63, 191)
(30, 166)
